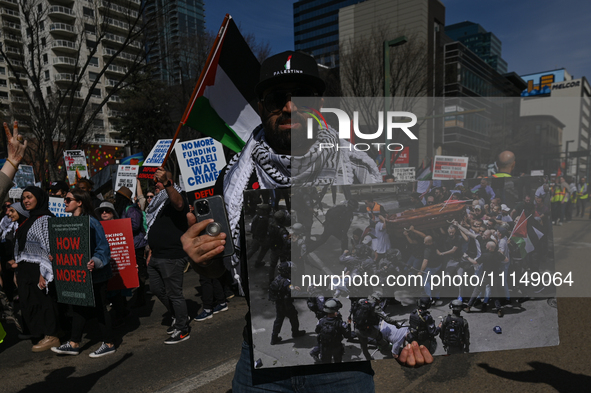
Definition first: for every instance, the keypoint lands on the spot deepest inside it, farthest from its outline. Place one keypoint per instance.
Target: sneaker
(171, 329)
(276, 340)
(220, 308)
(46, 343)
(177, 337)
(204, 315)
(103, 350)
(66, 349)
(298, 333)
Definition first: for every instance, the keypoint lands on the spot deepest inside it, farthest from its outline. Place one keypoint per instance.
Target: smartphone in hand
(214, 208)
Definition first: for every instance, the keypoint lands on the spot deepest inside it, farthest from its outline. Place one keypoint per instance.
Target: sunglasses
(275, 101)
(68, 200)
(149, 196)
(105, 211)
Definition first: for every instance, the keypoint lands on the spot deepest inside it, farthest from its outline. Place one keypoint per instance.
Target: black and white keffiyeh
(317, 167)
(36, 247)
(153, 209)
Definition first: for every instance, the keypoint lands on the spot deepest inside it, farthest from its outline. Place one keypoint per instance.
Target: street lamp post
(387, 44)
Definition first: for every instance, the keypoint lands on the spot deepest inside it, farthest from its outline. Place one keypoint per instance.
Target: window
(45, 60)
(94, 62)
(43, 42)
(3, 82)
(96, 93)
(98, 123)
(90, 29)
(48, 90)
(90, 44)
(3, 94)
(40, 8)
(41, 26)
(92, 76)
(95, 106)
(88, 12)
(46, 75)
(2, 70)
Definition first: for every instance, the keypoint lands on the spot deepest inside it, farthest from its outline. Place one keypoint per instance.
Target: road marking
(194, 382)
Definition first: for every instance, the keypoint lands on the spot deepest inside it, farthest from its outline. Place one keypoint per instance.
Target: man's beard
(283, 140)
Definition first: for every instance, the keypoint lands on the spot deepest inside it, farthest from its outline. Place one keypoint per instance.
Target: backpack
(329, 331)
(418, 326)
(364, 315)
(276, 291)
(453, 334)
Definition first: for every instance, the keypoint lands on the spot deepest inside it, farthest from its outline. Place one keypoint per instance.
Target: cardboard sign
(123, 263)
(156, 156)
(200, 162)
(69, 242)
(127, 177)
(404, 174)
(24, 177)
(449, 167)
(75, 160)
(15, 193)
(58, 207)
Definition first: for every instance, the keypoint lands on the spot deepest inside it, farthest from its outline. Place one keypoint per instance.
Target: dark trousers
(339, 233)
(364, 335)
(581, 206)
(330, 352)
(166, 282)
(81, 314)
(38, 306)
(285, 308)
(212, 292)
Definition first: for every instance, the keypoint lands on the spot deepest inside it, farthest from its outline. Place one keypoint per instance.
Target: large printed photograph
(327, 265)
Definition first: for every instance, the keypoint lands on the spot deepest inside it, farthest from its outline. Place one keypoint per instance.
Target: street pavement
(205, 362)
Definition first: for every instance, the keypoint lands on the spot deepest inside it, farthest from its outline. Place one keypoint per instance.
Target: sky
(537, 35)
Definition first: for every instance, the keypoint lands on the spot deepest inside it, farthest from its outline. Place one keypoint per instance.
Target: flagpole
(212, 52)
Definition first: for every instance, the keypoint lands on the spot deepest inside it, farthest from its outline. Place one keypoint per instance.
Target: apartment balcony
(108, 141)
(6, 12)
(62, 29)
(17, 64)
(11, 26)
(115, 100)
(13, 38)
(64, 77)
(121, 56)
(122, 11)
(115, 69)
(121, 40)
(61, 13)
(113, 113)
(69, 62)
(12, 3)
(19, 100)
(14, 75)
(117, 24)
(65, 46)
(13, 51)
(70, 93)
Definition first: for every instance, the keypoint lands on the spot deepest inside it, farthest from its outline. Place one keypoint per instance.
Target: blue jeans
(297, 380)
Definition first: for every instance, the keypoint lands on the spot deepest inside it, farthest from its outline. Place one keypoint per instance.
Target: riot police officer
(280, 293)
(279, 241)
(422, 328)
(259, 229)
(331, 330)
(455, 333)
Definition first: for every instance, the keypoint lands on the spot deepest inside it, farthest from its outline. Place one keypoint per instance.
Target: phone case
(217, 212)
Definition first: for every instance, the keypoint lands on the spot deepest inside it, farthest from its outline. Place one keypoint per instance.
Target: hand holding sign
(160, 176)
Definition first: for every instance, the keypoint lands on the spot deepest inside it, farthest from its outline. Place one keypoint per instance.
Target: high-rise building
(316, 28)
(176, 32)
(481, 42)
(558, 93)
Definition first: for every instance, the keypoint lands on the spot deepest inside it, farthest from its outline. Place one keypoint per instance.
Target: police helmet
(297, 228)
(353, 204)
(332, 305)
(279, 216)
(456, 305)
(377, 296)
(424, 303)
(285, 268)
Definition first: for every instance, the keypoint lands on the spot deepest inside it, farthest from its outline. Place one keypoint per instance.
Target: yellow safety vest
(501, 174)
(558, 194)
(585, 195)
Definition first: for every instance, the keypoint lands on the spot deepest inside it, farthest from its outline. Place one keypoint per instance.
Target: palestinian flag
(425, 172)
(525, 235)
(223, 104)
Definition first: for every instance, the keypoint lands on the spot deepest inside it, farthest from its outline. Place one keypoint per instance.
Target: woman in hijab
(36, 288)
(79, 203)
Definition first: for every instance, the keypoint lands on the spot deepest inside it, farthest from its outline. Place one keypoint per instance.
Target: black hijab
(41, 209)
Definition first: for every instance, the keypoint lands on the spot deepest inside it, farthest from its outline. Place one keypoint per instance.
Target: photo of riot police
(321, 257)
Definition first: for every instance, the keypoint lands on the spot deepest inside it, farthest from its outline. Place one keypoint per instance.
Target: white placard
(127, 177)
(404, 174)
(450, 167)
(539, 172)
(15, 193)
(75, 160)
(58, 207)
(156, 156)
(200, 162)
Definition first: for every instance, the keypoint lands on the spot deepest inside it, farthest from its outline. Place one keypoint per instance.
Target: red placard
(123, 262)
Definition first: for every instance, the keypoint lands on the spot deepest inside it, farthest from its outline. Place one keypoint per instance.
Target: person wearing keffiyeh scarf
(35, 273)
(277, 156)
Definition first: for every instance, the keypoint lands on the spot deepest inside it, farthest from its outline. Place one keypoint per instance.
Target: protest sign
(58, 207)
(75, 160)
(449, 167)
(200, 162)
(154, 159)
(404, 174)
(69, 243)
(15, 193)
(123, 264)
(24, 177)
(127, 177)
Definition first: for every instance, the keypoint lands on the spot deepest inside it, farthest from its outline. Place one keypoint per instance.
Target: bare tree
(60, 102)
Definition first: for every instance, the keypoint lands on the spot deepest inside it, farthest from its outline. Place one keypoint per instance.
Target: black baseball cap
(287, 67)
